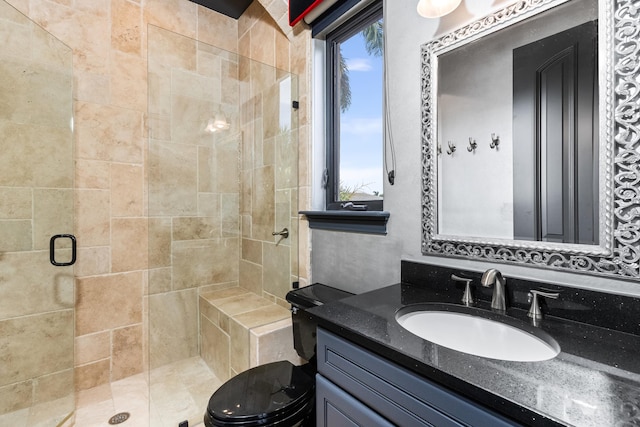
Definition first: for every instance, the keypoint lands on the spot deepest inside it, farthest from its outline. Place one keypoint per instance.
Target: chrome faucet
(494, 277)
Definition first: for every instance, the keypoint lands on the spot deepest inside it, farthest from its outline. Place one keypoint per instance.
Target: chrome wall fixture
(452, 148)
(495, 141)
(472, 145)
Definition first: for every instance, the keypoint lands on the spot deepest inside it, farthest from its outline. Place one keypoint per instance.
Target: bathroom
(113, 121)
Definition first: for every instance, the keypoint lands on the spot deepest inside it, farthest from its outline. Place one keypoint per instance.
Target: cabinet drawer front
(336, 408)
(395, 392)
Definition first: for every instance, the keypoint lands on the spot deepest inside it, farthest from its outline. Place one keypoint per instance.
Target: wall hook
(495, 141)
(472, 145)
(439, 149)
(452, 148)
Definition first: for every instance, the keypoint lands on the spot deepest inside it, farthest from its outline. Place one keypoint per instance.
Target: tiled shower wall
(109, 43)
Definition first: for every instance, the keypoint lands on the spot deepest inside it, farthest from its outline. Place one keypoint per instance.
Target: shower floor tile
(178, 392)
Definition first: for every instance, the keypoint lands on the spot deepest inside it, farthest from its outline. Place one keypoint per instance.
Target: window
(355, 94)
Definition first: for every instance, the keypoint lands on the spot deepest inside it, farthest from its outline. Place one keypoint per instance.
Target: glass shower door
(36, 204)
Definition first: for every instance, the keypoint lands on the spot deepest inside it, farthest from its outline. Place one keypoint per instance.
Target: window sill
(370, 222)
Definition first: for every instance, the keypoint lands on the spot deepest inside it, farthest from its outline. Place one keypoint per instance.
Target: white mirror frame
(618, 253)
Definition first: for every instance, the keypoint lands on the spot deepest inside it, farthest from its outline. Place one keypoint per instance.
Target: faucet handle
(534, 310)
(467, 298)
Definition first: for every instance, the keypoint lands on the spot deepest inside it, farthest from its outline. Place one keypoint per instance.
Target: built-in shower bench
(240, 329)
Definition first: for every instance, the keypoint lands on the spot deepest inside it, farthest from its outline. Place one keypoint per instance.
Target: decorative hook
(452, 148)
(495, 141)
(472, 145)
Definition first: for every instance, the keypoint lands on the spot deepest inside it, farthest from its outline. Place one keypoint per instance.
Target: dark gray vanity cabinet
(358, 388)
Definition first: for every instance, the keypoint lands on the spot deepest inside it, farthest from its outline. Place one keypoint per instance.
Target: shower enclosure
(222, 179)
(36, 204)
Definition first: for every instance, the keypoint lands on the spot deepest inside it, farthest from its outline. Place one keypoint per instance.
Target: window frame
(344, 31)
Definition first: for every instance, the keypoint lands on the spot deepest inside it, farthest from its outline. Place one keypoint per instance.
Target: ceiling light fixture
(220, 122)
(436, 8)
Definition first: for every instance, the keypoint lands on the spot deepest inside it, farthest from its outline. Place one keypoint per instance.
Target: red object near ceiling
(299, 8)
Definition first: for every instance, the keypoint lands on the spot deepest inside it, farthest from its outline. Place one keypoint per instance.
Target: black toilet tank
(304, 327)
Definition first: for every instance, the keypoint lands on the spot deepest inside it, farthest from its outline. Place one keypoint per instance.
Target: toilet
(278, 393)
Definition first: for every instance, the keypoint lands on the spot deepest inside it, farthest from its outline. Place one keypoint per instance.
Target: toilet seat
(277, 393)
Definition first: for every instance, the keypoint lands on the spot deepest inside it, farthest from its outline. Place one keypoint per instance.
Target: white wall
(358, 262)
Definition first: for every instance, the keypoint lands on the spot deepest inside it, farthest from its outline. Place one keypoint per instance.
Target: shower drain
(119, 418)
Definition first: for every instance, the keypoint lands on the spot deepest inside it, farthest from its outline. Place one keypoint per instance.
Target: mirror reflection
(517, 128)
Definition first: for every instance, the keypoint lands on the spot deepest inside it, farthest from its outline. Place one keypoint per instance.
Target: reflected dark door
(555, 134)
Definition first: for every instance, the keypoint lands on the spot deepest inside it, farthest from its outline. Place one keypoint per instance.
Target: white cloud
(359, 64)
(361, 126)
(367, 179)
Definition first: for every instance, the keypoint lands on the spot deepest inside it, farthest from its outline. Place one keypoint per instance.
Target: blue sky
(361, 125)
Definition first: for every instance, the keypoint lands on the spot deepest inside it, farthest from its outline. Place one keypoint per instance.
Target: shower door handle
(52, 249)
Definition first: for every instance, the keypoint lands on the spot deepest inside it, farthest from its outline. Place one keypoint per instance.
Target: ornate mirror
(531, 138)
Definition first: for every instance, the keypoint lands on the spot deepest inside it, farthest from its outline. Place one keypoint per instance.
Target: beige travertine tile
(126, 22)
(159, 103)
(54, 386)
(276, 269)
(241, 304)
(239, 346)
(93, 261)
(105, 132)
(215, 349)
(92, 374)
(15, 235)
(52, 214)
(204, 262)
(92, 347)
(16, 203)
(263, 206)
(263, 40)
(219, 294)
(92, 87)
(169, 49)
(225, 35)
(206, 170)
(15, 33)
(93, 174)
(173, 326)
(86, 30)
(159, 242)
(159, 280)
(251, 276)
(126, 190)
(172, 179)
(173, 15)
(92, 217)
(262, 316)
(282, 51)
(15, 396)
(129, 244)
(273, 342)
(129, 81)
(36, 345)
(195, 228)
(209, 311)
(252, 251)
(34, 290)
(230, 219)
(126, 355)
(53, 154)
(107, 302)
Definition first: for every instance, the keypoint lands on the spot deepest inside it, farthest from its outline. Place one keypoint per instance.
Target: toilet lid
(266, 393)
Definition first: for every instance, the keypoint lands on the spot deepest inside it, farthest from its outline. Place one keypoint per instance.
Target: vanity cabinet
(358, 388)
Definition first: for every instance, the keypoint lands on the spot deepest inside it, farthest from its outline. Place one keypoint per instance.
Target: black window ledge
(371, 222)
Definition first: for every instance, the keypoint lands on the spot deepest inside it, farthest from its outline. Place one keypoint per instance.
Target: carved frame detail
(618, 255)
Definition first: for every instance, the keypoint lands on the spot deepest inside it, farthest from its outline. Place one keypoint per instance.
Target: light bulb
(436, 8)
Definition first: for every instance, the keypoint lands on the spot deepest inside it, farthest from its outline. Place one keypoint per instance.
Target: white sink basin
(478, 332)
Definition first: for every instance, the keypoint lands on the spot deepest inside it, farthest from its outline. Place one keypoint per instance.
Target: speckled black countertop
(594, 381)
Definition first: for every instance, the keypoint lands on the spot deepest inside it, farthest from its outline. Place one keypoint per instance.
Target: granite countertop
(594, 381)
